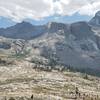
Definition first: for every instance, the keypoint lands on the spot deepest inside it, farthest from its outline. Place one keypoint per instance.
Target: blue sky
(43, 11)
(6, 22)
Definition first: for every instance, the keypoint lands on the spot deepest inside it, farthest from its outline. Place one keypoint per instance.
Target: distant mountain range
(76, 45)
(7, 22)
(25, 30)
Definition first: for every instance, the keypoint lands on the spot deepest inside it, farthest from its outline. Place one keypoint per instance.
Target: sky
(38, 11)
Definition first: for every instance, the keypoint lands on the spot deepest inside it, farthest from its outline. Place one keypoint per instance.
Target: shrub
(11, 98)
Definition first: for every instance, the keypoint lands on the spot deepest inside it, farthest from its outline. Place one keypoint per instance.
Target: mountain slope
(22, 30)
(74, 49)
(76, 45)
(21, 80)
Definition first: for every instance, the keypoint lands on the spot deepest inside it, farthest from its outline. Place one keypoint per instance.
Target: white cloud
(84, 7)
(18, 10)
(90, 9)
(21, 9)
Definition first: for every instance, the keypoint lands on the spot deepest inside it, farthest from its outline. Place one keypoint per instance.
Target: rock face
(76, 45)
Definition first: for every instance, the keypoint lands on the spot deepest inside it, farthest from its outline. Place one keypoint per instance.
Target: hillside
(22, 80)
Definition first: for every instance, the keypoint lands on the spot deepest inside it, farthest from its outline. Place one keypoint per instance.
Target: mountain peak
(97, 14)
(55, 26)
(24, 23)
(95, 21)
(49, 24)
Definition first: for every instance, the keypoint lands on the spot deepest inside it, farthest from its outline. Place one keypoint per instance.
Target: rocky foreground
(21, 81)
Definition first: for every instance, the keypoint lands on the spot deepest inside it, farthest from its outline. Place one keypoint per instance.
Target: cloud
(90, 9)
(83, 7)
(21, 9)
(18, 10)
